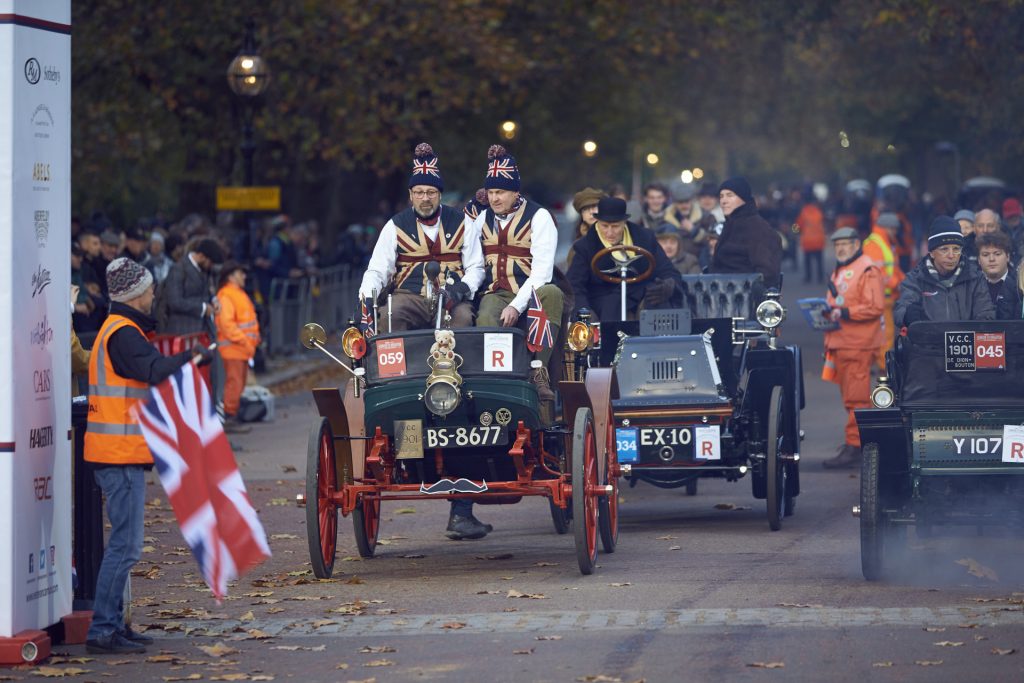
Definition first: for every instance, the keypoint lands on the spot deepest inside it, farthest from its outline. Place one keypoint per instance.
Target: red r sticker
(391, 358)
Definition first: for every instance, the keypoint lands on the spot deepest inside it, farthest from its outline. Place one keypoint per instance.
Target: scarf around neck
(627, 240)
(949, 279)
(515, 207)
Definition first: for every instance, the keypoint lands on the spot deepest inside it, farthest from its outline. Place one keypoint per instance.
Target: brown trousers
(235, 372)
(412, 312)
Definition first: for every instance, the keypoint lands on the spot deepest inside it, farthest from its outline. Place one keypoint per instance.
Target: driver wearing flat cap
(641, 254)
(944, 285)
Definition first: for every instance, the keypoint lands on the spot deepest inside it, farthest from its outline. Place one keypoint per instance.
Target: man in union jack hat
(519, 240)
(426, 231)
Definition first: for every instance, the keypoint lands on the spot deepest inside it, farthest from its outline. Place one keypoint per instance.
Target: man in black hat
(748, 243)
(604, 299)
(944, 286)
(186, 304)
(135, 245)
(426, 231)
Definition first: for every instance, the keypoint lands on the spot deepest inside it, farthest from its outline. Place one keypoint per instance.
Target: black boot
(466, 528)
(847, 458)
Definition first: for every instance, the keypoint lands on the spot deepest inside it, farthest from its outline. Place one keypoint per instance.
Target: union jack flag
(367, 322)
(426, 166)
(539, 336)
(502, 168)
(197, 470)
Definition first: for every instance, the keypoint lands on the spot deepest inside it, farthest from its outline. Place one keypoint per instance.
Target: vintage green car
(444, 414)
(944, 444)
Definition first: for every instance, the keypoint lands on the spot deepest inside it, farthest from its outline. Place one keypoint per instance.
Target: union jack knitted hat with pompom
(502, 171)
(424, 168)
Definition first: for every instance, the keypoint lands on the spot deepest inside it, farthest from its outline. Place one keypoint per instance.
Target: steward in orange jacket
(880, 248)
(811, 222)
(238, 335)
(857, 299)
(122, 367)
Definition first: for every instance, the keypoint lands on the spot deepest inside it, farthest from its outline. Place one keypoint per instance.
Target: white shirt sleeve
(543, 243)
(473, 255)
(382, 263)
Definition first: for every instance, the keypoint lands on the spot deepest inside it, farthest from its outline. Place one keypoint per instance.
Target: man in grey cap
(685, 214)
(966, 220)
(857, 301)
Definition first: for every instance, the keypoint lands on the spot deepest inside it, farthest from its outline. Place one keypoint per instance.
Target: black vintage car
(944, 444)
(707, 391)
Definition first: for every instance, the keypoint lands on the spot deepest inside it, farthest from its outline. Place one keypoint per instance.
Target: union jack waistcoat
(507, 251)
(416, 250)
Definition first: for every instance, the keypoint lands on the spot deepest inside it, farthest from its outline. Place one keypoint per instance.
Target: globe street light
(652, 159)
(589, 148)
(248, 76)
(509, 129)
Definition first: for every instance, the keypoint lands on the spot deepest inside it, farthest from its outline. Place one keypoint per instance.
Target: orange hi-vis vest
(114, 436)
(238, 331)
(877, 248)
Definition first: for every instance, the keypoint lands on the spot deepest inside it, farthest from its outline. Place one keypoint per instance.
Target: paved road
(694, 592)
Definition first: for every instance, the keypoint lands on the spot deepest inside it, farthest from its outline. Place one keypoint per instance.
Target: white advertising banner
(35, 316)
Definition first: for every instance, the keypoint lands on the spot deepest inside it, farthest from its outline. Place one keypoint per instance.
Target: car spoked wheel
(366, 523)
(321, 511)
(775, 469)
(872, 524)
(584, 490)
(608, 505)
(561, 518)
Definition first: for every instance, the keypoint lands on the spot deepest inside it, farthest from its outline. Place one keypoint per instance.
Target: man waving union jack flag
(198, 471)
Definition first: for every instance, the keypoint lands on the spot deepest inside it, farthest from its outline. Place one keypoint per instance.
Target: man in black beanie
(748, 244)
(943, 286)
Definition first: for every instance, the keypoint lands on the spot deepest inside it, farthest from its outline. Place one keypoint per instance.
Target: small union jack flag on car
(539, 337)
(367, 321)
(502, 168)
(426, 166)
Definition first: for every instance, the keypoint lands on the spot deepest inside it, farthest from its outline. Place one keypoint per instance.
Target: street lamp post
(248, 76)
(947, 147)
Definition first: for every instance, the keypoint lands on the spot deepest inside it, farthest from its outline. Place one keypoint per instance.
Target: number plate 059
(464, 437)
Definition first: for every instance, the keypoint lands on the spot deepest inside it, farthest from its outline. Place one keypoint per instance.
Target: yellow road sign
(249, 198)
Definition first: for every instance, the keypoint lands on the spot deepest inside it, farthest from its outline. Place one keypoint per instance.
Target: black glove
(456, 294)
(659, 292)
(915, 312)
(204, 354)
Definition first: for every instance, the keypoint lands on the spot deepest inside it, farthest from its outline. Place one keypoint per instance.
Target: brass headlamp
(442, 394)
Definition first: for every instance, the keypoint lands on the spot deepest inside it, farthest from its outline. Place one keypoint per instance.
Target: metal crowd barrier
(328, 297)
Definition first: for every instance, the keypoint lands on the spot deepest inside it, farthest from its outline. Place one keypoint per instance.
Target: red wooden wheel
(608, 506)
(366, 522)
(321, 511)
(584, 490)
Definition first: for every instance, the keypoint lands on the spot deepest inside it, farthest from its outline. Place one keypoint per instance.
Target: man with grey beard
(426, 231)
